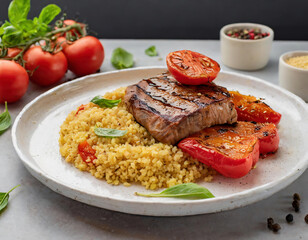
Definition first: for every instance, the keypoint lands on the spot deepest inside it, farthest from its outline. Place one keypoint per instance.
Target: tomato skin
(80, 108)
(46, 68)
(74, 32)
(61, 41)
(13, 52)
(14, 81)
(86, 152)
(224, 164)
(232, 150)
(249, 108)
(85, 55)
(192, 68)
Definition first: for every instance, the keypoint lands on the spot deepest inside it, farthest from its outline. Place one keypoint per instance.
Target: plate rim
(292, 176)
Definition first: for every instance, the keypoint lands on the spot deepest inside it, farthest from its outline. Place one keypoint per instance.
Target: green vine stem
(48, 37)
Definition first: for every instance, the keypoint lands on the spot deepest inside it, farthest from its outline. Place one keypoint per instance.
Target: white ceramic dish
(292, 78)
(245, 54)
(35, 138)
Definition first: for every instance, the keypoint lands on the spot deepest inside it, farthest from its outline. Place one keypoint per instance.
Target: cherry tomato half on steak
(192, 68)
(84, 56)
(14, 81)
(45, 68)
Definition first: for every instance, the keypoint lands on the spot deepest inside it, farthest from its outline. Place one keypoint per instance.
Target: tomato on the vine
(73, 32)
(14, 81)
(13, 52)
(192, 68)
(84, 56)
(61, 41)
(45, 68)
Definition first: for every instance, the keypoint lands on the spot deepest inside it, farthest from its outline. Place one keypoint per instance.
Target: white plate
(36, 130)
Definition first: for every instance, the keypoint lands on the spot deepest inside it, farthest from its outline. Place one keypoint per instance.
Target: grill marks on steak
(171, 111)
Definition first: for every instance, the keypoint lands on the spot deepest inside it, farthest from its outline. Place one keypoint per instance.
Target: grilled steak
(171, 111)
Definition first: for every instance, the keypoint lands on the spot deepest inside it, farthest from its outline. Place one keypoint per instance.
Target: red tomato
(74, 32)
(81, 107)
(235, 162)
(14, 81)
(45, 68)
(12, 52)
(85, 55)
(61, 41)
(86, 152)
(192, 68)
(250, 108)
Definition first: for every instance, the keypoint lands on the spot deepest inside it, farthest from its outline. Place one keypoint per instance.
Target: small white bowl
(293, 78)
(245, 54)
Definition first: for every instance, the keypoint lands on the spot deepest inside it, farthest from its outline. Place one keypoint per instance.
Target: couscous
(299, 61)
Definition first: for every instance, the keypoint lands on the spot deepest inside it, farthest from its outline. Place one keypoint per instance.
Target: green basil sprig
(5, 120)
(122, 59)
(4, 198)
(105, 103)
(19, 29)
(185, 190)
(109, 132)
(151, 51)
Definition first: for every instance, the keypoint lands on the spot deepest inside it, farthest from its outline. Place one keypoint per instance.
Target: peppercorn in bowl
(246, 46)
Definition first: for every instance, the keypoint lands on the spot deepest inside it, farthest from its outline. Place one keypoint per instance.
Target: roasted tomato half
(250, 108)
(232, 150)
(192, 68)
(229, 154)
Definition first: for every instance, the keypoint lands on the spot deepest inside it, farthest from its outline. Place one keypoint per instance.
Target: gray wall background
(180, 19)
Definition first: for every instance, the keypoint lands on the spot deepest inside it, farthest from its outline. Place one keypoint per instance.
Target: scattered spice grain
(289, 218)
(276, 227)
(270, 222)
(295, 205)
(306, 219)
(296, 197)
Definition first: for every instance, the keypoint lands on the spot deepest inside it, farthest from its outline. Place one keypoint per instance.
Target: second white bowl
(292, 78)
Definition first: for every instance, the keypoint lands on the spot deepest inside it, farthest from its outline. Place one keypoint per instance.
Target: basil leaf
(42, 29)
(11, 36)
(109, 132)
(185, 190)
(122, 59)
(18, 10)
(105, 103)
(4, 25)
(5, 120)
(26, 25)
(4, 198)
(48, 13)
(151, 51)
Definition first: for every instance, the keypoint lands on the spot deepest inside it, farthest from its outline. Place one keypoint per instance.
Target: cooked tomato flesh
(192, 64)
(250, 108)
(86, 152)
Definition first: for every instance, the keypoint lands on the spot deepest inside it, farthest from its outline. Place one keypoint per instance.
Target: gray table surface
(36, 212)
